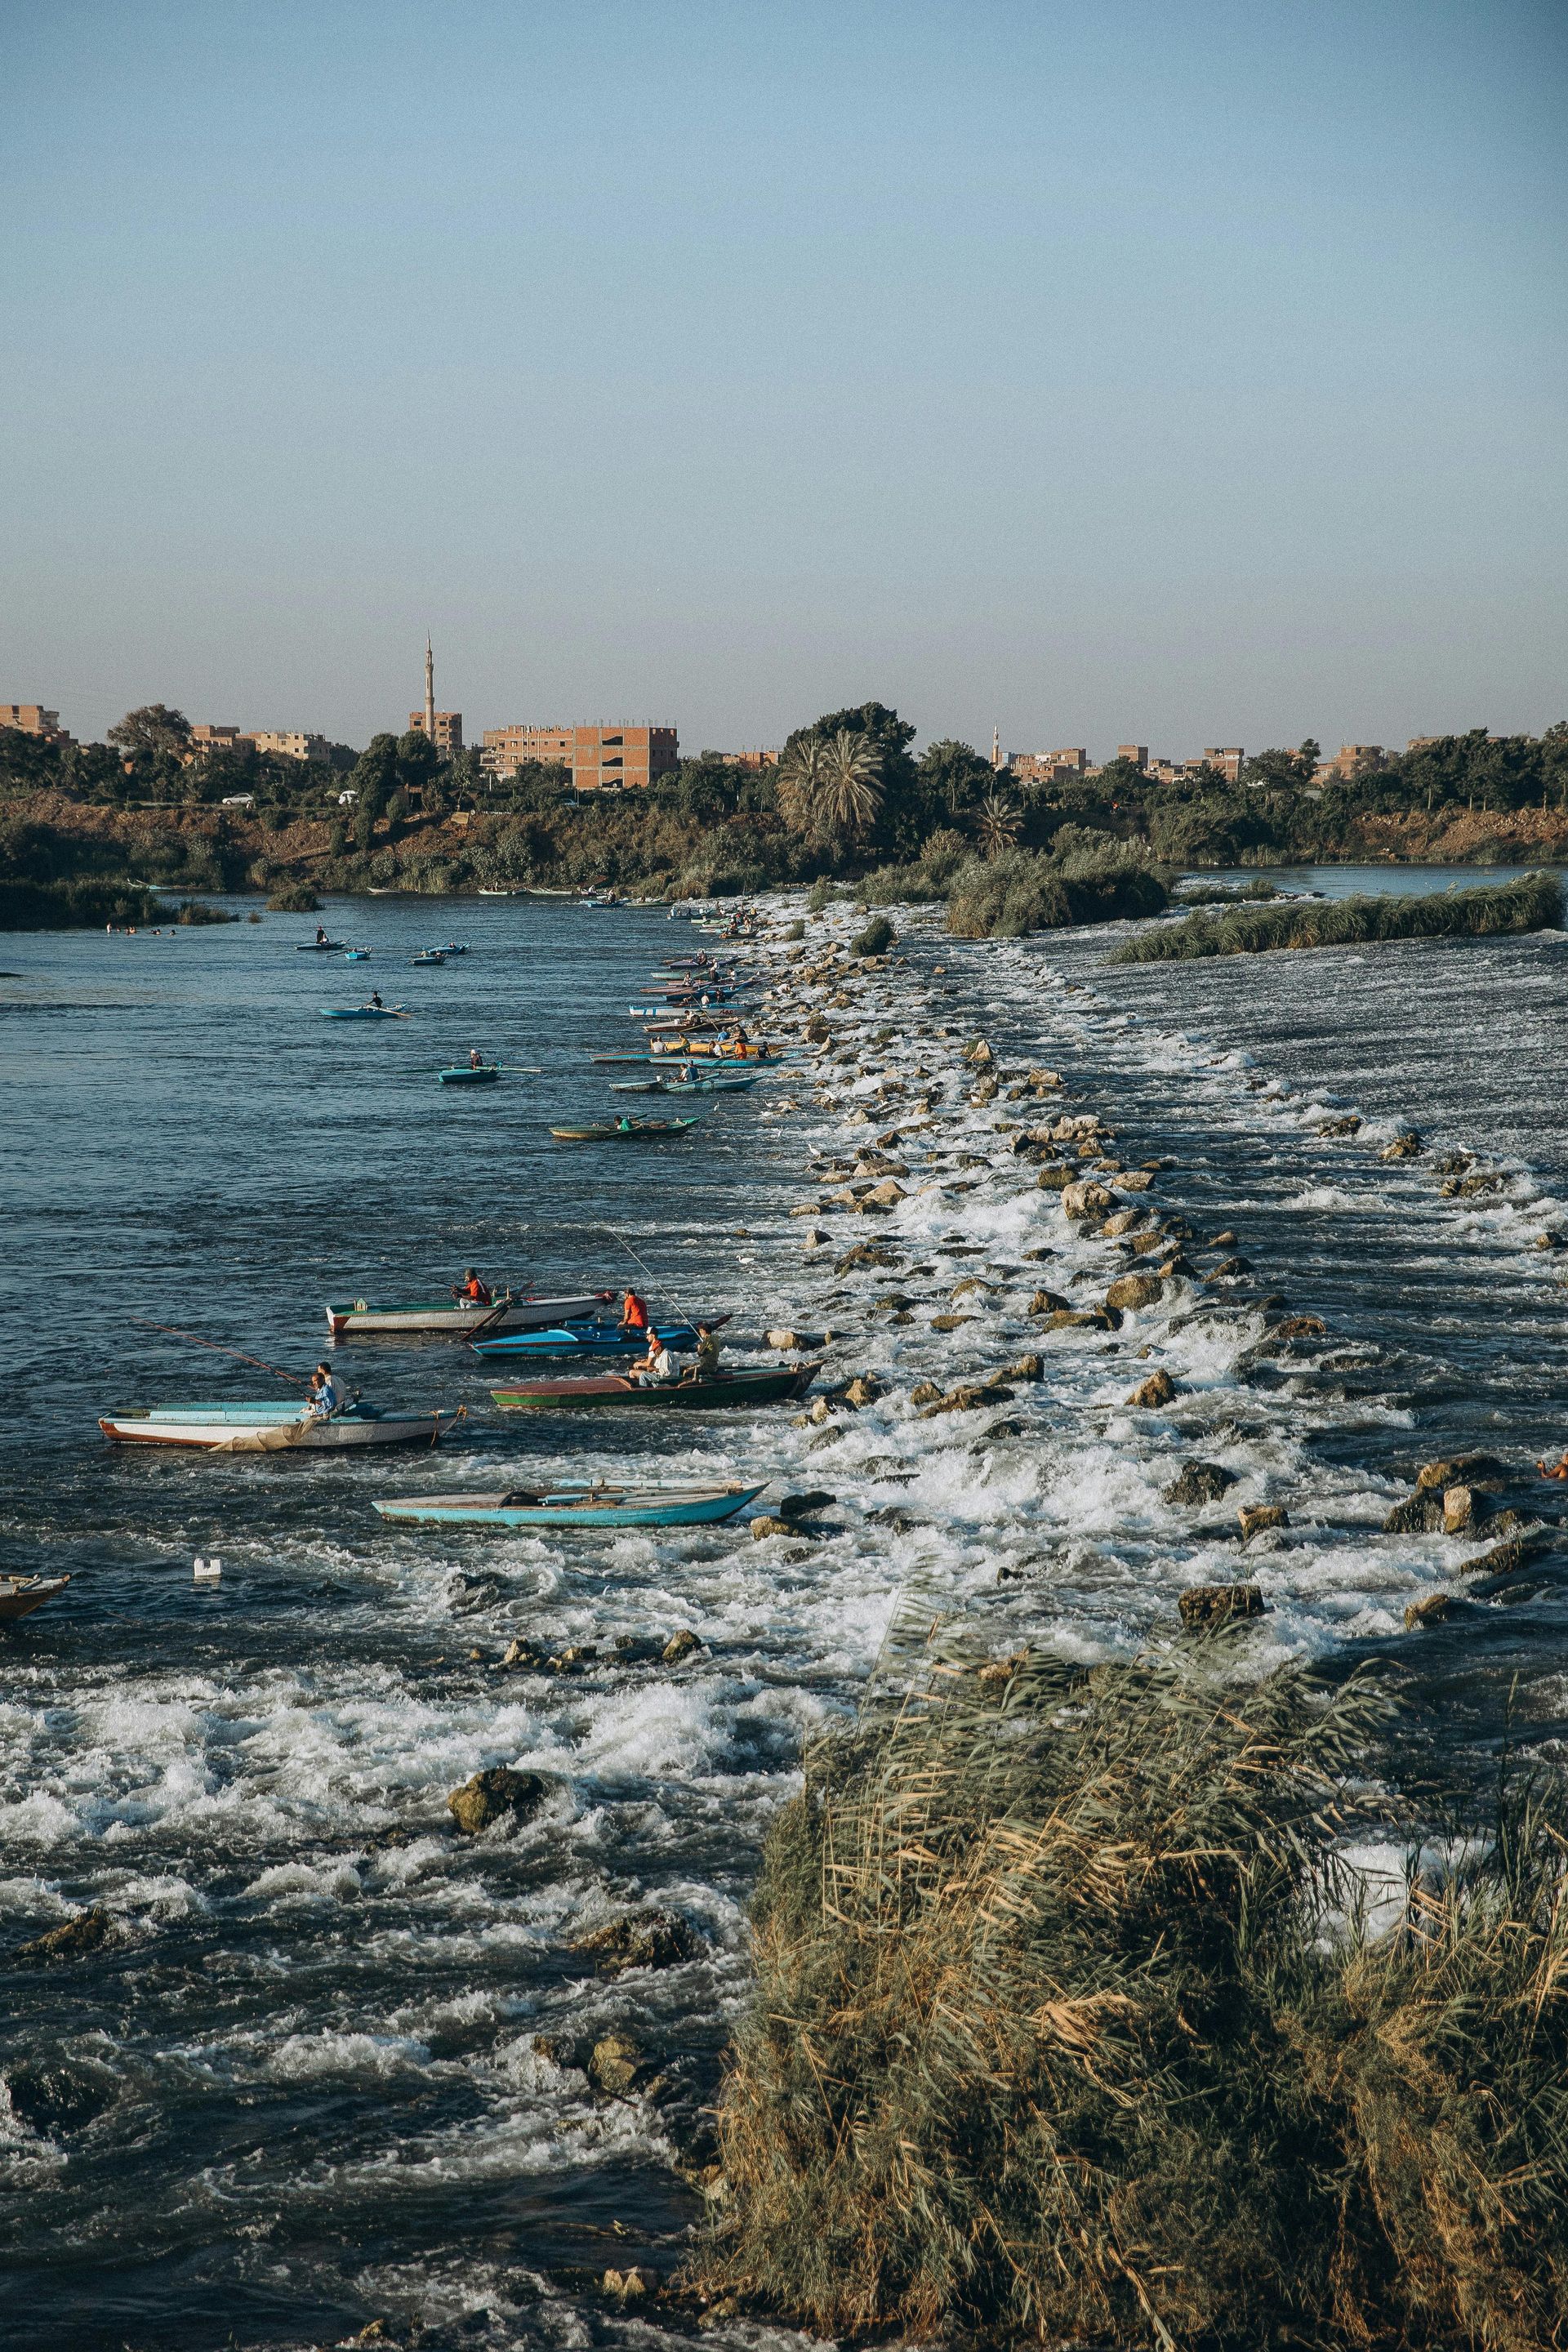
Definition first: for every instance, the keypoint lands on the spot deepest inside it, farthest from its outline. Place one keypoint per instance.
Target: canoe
(364, 1012)
(460, 1319)
(318, 946)
(450, 948)
(680, 1085)
(768, 1385)
(271, 1428)
(595, 1340)
(428, 957)
(20, 1595)
(356, 955)
(605, 1505)
(465, 1074)
(618, 1132)
(686, 1047)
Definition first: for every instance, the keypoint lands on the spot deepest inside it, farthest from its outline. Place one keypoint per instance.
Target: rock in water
(1461, 1470)
(1086, 1199)
(1156, 1390)
(679, 1646)
(1200, 1482)
(1436, 1605)
(71, 1939)
(1256, 1517)
(642, 1939)
(1205, 1606)
(497, 1795)
(1422, 1514)
(1131, 1291)
(616, 2065)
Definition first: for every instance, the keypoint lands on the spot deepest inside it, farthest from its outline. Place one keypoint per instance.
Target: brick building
(447, 733)
(32, 719)
(1048, 767)
(1352, 759)
(600, 759)
(204, 738)
(288, 744)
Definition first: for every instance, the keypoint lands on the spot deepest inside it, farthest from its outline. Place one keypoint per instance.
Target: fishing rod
(296, 1379)
(648, 1270)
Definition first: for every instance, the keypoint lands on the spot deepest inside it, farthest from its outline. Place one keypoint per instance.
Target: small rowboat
(595, 1340)
(318, 946)
(623, 1130)
(427, 956)
(271, 1428)
(680, 1085)
(462, 1319)
(607, 1391)
(20, 1595)
(607, 1505)
(356, 955)
(364, 1012)
(466, 1075)
(450, 949)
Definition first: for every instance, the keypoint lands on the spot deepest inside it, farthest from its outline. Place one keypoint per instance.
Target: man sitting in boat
(633, 1312)
(321, 936)
(708, 1346)
(476, 1059)
(471, 1291)
(325, 1397)
(375, 1005)
(657, 1370)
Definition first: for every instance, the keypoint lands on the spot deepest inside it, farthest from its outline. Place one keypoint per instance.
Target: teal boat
(604, 1504)
(466, 1075)
(364, 1012)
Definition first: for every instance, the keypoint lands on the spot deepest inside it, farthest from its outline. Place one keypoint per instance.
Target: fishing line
(652, 1279)
(295, 1380)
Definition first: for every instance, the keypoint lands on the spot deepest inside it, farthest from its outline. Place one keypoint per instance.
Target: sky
(1181, 374)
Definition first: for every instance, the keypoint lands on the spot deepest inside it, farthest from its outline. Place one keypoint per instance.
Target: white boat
(271, 1428)
(459, 1319)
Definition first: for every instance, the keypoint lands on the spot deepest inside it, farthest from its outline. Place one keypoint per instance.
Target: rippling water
(302, 2088)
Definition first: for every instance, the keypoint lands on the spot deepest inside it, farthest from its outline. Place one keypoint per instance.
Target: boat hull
(211, 1429)
(20, 1595)
(352, 1318)
(462, 1078)
(588, 1339)
(731, 1392)
(589, 1508)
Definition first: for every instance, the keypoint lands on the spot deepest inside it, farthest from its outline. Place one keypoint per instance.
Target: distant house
(239, 800)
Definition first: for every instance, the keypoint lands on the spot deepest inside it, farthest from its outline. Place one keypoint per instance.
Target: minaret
(996, 747)
(430, 693)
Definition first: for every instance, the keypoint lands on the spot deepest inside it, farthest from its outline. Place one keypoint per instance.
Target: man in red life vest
(472, 1291)
(633, 1312)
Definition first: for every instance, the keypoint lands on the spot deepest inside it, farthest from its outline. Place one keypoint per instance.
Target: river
(327, 2071)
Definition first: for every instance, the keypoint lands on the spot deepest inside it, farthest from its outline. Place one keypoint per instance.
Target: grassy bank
(1534, 904)
(74, 906)
(1067, 2027)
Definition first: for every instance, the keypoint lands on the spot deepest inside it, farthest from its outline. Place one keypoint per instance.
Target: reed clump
(1022, 890)
(1069, 2026)
(1531, 904)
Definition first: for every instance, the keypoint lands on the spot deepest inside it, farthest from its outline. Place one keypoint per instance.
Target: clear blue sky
(1181, 371)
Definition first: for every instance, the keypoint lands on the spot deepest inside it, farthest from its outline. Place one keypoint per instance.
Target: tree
(997, 825)
(1284, 770)
(373, 779)
(952, 781)
(850, 793)
(800, 782)
(417, 758)
(152, 729)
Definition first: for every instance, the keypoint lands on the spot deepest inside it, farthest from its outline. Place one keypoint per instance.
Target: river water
(303, 2087)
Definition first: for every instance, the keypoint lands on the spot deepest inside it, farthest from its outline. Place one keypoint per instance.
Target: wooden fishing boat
(623, 1130)
(427, 956)
(681, 1085)
(318, 946)
(364, 1012)
(463, 1074)
(271, 1428)
(607, 1505)
(465, 1319)
(719, 1391)
(595, 1340)
(688, 1046)
(20, 1595)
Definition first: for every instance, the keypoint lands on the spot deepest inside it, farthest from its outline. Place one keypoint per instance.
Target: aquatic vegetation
(1069, 2025)
(1533, 904)
(1004, 897)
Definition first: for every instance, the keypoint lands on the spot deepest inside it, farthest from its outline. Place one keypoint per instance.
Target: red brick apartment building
(600, 759)
(32, 719)
(448, 735)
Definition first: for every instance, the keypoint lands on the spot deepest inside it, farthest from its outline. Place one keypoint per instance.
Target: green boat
(466, 1075)
(716, 1393)
(622, 1130)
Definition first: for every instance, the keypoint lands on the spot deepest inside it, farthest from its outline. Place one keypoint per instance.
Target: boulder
(970, 1398)
(1136, 1180)
(788, 1340)
(679, 1646)
(1043, 1081)
(885, 1195)
(641, 1939)
(1408, 1146)
(1348, 1126)
(867, 1254)
(1049, 1302)
(1461, 1470)
(616, 2065)
(1422, 1514)
(72, 1939)
(1255, 1516)
(1027, 1368)
(969, 1285)
(575, 1659)
(1129, 1292)
(1436, 1605)
(1122, 1222)
(1503, 1558)
(1086, 1199)
(522, 1656)
(1154, 1392)
(803, 1507)
(1053, 1179)
(497, 1795)
(1301, 1327)
(1463, 1508)
(980, 1054)
(926, 1393)
(1229, 1268)
(1200, 1482)
(1205, 1607)
(863, 1389)
(949, 1322)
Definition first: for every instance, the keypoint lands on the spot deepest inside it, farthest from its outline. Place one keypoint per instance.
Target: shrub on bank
(1004, 897)
(293, 898)
(1533, 904)
(1069, 2026)
(74, 906)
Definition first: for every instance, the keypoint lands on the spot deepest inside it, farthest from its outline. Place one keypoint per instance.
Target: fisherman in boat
(708, 1346)
(472, 1292)
(321, 936)
(375, 1005)
(622, 1125)
(476, 1059)
(633, 1312)
(657, 1370)
(325, 1398)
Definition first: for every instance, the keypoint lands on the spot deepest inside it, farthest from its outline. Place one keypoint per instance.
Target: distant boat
(20, 1595)
(427, 956)
(499, 894)
(356, 955)
(318, 946)
(682, 1086)
(717, 1392)
(364, 1012)
(462, 1319)
(271, 1428)
(465, 1074)
(600, 1506)
(623, 1130)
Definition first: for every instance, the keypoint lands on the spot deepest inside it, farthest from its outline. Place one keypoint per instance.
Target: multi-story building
(32, 719)
(1047, 767)
(215, 739)
(287, 743)
(1227, 758)
(447, 734)
(1352, 759)
(754, 761)
(600, 759)
(1137, 752)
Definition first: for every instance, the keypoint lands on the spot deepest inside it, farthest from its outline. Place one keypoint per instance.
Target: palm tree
(799, 784)
(850, 791)
(997, 825)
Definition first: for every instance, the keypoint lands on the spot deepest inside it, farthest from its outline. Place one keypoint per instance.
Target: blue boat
(604, 1504)
(356, 955)
(364, 1012)
(593, 1339)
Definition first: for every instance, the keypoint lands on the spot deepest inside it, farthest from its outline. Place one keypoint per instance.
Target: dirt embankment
(1471, 837)
(141, 840)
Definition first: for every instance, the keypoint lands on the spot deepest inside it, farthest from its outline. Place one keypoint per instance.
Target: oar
(295, 1380)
